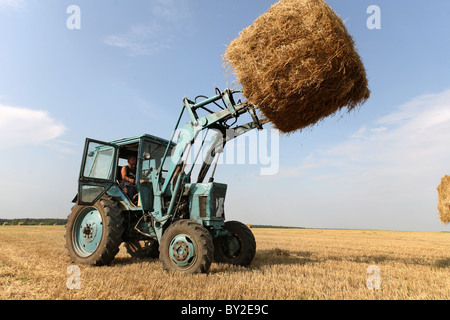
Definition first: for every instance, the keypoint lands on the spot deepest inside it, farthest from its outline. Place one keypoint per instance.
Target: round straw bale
(298, 64)
(444, 199)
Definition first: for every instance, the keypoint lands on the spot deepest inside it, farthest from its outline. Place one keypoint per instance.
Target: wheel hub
(89, 230)
(182, 250)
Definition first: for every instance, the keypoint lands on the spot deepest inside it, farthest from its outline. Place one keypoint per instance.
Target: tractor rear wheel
(186, 246)
(94, 233)
(238, 247)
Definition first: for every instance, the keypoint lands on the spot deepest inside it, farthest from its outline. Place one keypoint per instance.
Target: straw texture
(444, 199)
(298, 64)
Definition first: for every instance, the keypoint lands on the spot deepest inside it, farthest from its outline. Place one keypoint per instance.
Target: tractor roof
(136, 139)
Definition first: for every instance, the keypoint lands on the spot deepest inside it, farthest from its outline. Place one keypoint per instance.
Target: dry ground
(289, 264)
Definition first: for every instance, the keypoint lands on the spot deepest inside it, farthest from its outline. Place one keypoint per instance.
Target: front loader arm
(214, 121)
(218, 142)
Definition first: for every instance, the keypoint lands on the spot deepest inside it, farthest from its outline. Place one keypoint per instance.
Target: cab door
(98, 170)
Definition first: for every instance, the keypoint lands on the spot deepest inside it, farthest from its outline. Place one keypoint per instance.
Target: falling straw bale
(444, 199)
(298, 64)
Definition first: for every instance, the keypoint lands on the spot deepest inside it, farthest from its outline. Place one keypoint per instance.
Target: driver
(128, 174)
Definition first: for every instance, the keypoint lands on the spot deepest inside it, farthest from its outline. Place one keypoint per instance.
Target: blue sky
(127, 69)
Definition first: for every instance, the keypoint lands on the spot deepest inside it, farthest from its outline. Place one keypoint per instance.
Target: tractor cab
(102, 163)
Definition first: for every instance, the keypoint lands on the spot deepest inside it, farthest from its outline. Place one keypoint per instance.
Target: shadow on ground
(285, 257)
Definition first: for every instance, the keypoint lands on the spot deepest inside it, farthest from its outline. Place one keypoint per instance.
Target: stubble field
(290, 264)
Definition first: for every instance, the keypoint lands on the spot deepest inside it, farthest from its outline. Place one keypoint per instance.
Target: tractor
(175, 216)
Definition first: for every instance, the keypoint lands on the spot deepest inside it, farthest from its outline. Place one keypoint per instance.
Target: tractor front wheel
(186, 246)
(94, 233)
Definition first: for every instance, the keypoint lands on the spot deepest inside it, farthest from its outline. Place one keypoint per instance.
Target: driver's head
(132, 160)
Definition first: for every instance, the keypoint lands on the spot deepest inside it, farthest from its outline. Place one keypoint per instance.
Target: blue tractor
(173, 215)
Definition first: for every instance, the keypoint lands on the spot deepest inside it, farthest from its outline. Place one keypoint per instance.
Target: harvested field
(290, 264)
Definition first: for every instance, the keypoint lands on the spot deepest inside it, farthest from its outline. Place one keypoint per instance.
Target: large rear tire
(186, 246)
(94, 233)
(238, 247)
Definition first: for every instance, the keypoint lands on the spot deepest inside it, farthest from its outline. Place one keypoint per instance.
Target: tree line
(34, 221)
